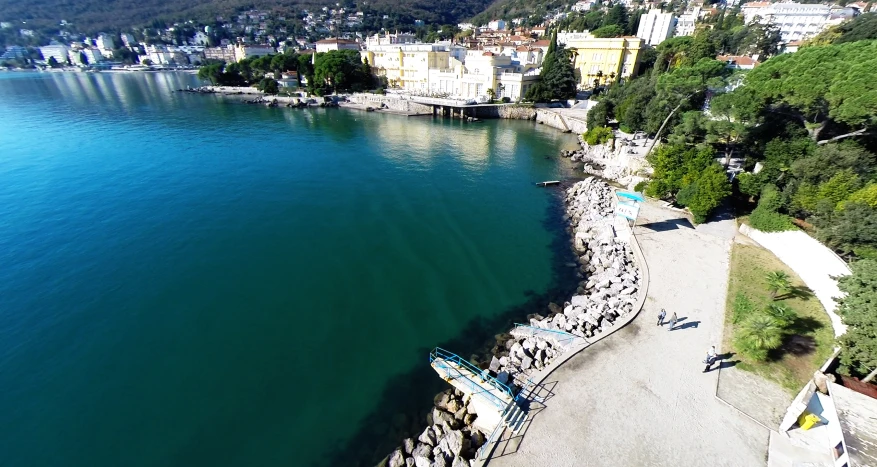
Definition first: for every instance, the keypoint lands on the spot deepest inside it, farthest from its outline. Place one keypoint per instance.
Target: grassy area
(811, 340)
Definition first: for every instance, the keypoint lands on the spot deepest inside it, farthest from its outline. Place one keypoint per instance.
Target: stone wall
(561, 122)
(392, 102)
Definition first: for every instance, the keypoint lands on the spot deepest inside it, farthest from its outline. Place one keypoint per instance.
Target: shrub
(641, 186)
(769, 221)
(777, 281)
(784, 315)
(759, 334)
(506, 100)
(598, 135)
(742, 308)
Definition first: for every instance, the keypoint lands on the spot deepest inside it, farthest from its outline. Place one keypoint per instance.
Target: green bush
(769, 221)
(742, 308)
(759, 334)
(784, 315)
(641, 186)
(506, 100)
(598, 135)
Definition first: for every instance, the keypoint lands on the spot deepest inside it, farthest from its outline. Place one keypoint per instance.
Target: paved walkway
(639, 398)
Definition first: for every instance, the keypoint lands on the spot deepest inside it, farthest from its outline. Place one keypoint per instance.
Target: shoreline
(406, 107)
(612, 279)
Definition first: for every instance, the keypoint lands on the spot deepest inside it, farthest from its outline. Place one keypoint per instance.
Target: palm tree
(781, 312)
(777, 281)
(759, 334)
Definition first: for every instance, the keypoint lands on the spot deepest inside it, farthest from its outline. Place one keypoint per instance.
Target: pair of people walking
(672, 321)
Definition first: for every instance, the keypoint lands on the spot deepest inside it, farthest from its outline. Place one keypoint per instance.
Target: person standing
(710, 358)
(661, 316)
(672, 321)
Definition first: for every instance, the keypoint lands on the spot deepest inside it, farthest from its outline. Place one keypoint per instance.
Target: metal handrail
(438, 355)
(500, 427)
(564, 333)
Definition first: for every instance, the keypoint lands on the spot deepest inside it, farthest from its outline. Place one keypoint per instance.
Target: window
(594, 69)
(597, 57)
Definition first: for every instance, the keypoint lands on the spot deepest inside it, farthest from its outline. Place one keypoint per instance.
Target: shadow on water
(407, 398)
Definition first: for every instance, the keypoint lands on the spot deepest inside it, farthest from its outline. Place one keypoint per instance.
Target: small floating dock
(548, 183)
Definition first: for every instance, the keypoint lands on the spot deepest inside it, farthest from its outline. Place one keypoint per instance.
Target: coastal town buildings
(92, 56)
(248, 51)
(656, 26)
(407, 65)
(57, 51)
(106, 44)
(796, 21)
(128, 40)
(326, 45)
(687, 22)
(224, 53)
(603, 59)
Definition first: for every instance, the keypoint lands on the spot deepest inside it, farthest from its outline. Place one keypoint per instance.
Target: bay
(187, 280)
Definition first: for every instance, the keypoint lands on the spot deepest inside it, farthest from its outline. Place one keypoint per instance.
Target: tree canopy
(825, 86)
(858, 310)
(557, 79)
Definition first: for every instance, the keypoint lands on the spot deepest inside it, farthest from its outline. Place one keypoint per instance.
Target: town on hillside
(502, 59)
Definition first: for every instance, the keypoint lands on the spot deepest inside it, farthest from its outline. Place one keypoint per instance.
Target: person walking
(661, 316)
(710, 358)
(672, 321)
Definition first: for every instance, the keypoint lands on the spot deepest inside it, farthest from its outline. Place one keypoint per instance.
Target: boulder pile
(519, 357)
(449, 440)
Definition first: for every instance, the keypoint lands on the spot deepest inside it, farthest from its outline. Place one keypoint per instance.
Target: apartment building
(603, 59)
(407, 65)
(796, 21)
(656, 26)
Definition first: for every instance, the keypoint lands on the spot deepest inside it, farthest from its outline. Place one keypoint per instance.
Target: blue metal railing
(439, 356)
(565, 336)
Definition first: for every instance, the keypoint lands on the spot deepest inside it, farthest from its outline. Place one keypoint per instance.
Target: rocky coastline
(621, 159)
(609, 280)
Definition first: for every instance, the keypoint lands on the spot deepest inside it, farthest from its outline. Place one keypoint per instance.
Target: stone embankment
(608, 285)
(622, 159)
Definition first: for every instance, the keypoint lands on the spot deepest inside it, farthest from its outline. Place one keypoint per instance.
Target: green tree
(758, 334)
(706, 193)
(848, 229)
(858, 310)
(146, 62)
(557, 79)
(52, 62)
(835, 84)
(777, 281)
(211, 72)
(611, 30)
(268, 86)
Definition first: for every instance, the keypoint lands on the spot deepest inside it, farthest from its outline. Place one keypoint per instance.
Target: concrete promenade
(639, 397)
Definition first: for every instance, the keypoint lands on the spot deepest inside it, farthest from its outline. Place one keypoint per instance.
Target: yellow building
(407, 65)
(602, 59)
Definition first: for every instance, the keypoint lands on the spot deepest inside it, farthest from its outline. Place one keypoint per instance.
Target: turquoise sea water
(191, 281)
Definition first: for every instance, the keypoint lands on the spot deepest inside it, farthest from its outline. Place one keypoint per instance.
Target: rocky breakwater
(621, 159)
(607, 291)
(449, 440)
(610, 277)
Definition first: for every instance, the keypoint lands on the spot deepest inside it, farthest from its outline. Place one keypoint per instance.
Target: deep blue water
(186, 280)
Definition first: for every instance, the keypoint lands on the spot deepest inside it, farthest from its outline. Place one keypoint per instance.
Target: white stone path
(638, 398)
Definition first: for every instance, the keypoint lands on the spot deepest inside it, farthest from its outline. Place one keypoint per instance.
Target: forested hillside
(109, 15)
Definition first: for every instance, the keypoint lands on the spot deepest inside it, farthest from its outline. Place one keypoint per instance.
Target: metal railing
(439, 356)
(563, 336)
